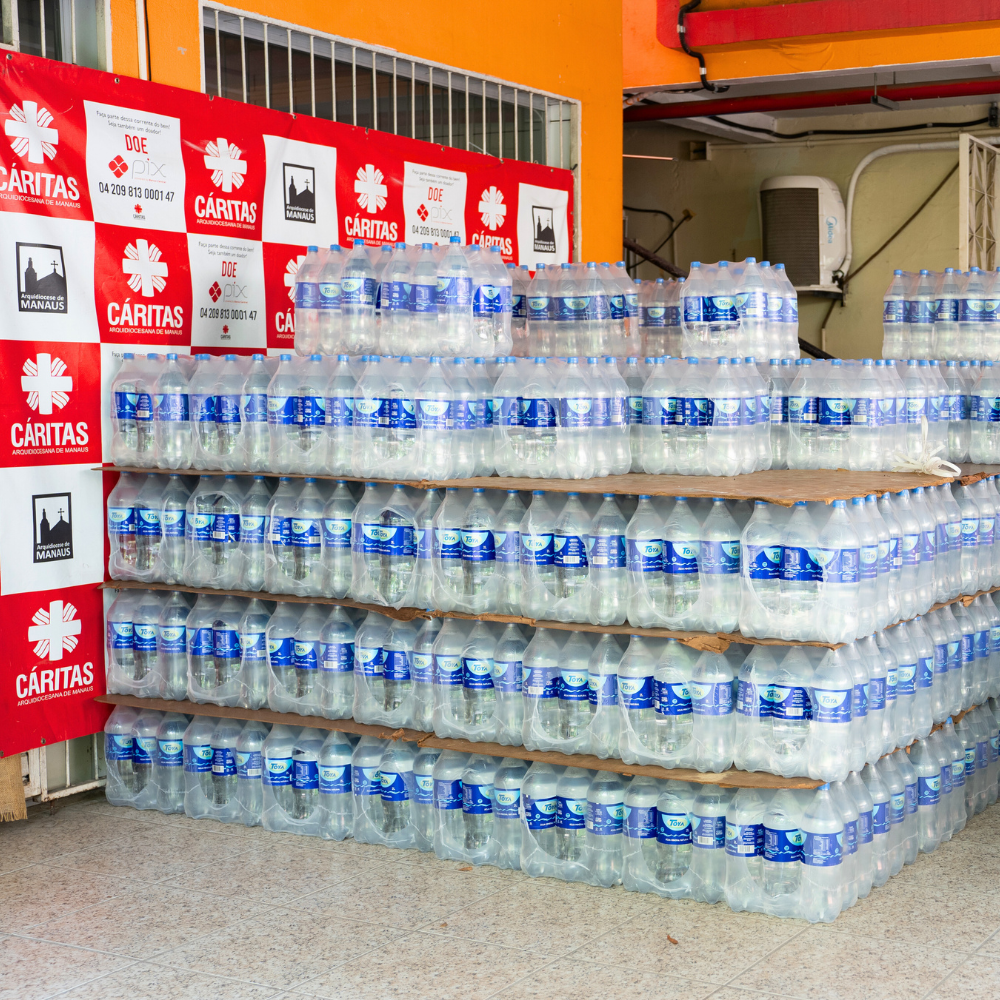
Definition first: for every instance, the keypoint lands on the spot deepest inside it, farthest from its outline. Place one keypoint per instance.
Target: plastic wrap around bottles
(383, 672)
(290, 780)
(215, 653)
(211, 771)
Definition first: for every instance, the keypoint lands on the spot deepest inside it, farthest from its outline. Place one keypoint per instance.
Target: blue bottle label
(539, 814)
(711, 699)
(198, 758)
(709, 832)
(337, 532)
(640, 822)
(537, 550)
(201, 641)
(281, 410)
(224, 762)
(602, 689)
(574, 685)
(173, 639)
(507, 546)
(173, 523)
(783, 846)
(305, 775)
(226, 643)
(447, 793)
(448, 670)
(821, 850)
(635, 693)
(645, 555)
(454, 293)
(173, 407)
(336, 656)
(569, 551)
(477, 674)
(539, 682)
(169, 753)
(571, 814)
(366, 781)
(147, 522)
(392, 787)
(118, 747)
(880, 818)
(370, 660)
(448, 543)
(744, 840)
(477, 800)
(764, 561)
(672, 697)
(277, 771)
(334, 779)
(605, 820)
(787, 702)
(831, 705)
(248, 765)
(799, 564)
(537, 414)
(478, 546)
(720, 558)
(607, 551)
(673, 828)
(507, 676)
(680, 558)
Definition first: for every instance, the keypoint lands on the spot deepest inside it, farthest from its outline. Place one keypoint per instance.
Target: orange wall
(572, 48)
(647, 63)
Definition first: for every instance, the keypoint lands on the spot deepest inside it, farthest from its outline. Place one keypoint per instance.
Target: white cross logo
(493, 210)
(30, 133)
(45, 383)
(226, 164)
(55, 630)
(292, 269)
(145, 269)
(369, 188)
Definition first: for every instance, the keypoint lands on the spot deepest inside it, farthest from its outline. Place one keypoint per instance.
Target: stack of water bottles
(452, 300)
(945, 314)
(840, 571)
(800, 710)
(721, 309)
(787, 853)
(814, 571)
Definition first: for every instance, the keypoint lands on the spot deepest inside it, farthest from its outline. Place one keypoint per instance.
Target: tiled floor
(98, 903)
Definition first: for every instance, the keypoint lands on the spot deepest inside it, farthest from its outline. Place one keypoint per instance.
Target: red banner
(142, 216)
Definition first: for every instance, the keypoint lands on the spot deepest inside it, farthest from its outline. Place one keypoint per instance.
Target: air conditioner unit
(802, 224)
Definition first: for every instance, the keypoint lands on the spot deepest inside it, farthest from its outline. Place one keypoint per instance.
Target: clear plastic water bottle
(507, 783)
(367, 790)
(335, 799)
(255, 443)
(539, 805)
(449, 834)
(198, 780)
(823, 878)
(423, 815)
(708, 857)
(122, 527)
(307, 302)
(281, 416)
(540, 683)
(172, 417)
(168, 765)
(397, 781)
(478, 805)
(204, 432)
(454, 300)
(357, 301)
(329, 314)
(604, 824)
(119, 754)
(538, 574)
(507, 554)
(570, 539)
(508, 657)
(479, 554)
(607, 561)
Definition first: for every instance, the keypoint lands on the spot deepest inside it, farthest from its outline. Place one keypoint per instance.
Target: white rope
(929, 461)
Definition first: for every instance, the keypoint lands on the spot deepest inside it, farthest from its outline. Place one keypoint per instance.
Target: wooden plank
(728, 779)
(778, 486)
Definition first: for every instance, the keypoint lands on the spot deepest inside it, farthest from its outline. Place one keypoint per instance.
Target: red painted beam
(814, 17)
(813, 99)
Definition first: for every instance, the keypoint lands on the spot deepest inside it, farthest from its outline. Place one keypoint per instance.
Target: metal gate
(978, 202)
(63, 769)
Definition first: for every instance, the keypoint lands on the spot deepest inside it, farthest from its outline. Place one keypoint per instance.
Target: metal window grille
(278, 65)
(978, 203)
(63, 768)
(72, 31)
